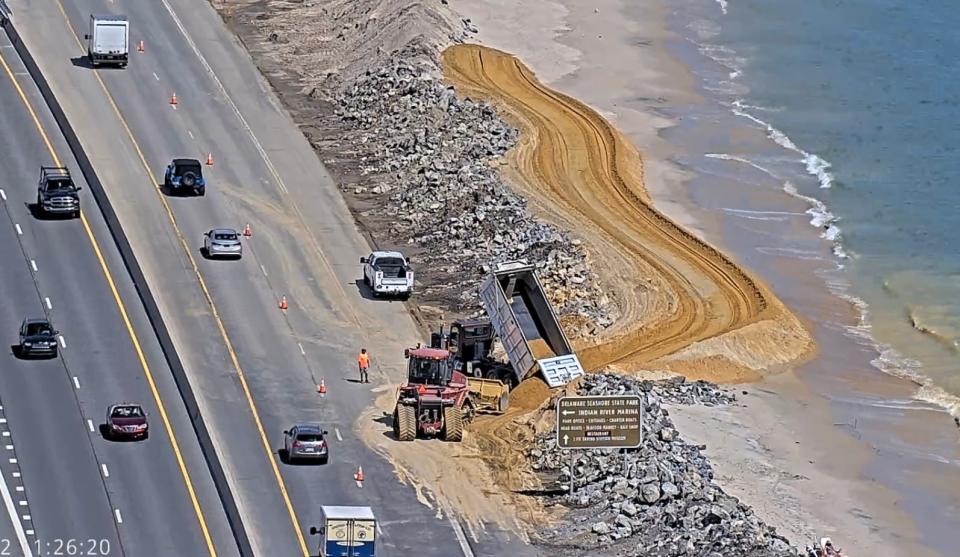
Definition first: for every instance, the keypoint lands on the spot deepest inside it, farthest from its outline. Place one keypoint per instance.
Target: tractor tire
(405, 423)
(503, 403)
(453, 424)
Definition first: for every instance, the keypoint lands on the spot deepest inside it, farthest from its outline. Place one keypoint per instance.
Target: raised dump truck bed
(527, 326)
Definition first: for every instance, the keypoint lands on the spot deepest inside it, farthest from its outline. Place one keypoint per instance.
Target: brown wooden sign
(599, 422)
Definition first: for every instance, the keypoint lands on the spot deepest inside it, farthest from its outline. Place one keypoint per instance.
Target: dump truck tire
(405, 423)
(503, 403)
(452, 424)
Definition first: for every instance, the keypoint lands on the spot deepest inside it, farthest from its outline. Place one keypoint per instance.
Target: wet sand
(832, 448)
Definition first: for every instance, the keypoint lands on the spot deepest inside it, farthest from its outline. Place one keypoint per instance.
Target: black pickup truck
(56, 192)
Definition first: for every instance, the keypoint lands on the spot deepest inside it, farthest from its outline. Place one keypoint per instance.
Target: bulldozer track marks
(583, 172)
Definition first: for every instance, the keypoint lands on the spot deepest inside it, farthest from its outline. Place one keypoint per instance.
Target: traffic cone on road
(322, 387)
(210, 159)
(247, 232)
(140, 47)
(283, 303)
(173, 100)
(358, 477)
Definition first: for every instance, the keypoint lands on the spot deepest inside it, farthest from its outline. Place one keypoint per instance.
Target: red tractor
(436, 399)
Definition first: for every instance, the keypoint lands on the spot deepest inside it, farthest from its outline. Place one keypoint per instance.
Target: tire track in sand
(585, 175)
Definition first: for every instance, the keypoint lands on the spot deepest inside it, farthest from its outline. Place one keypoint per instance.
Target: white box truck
(108, 40)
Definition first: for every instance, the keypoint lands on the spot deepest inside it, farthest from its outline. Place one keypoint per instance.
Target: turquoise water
(859, 106)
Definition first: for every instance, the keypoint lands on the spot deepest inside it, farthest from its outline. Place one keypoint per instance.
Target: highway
(253, 367)
(153, 497)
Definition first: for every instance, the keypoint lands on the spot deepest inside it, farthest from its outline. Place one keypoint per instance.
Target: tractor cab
(470, 340)
(429, 366)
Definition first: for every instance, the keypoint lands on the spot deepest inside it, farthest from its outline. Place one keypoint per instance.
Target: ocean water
(852, 108)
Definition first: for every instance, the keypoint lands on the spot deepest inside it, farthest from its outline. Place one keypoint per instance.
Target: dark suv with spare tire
(184, 175)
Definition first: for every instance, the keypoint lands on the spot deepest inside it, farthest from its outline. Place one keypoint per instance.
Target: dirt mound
(584, 175)
(529, 395)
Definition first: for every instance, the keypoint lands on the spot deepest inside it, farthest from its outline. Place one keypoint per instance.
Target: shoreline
(561, 58)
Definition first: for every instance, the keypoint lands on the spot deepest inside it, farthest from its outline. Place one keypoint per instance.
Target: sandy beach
(808, 463)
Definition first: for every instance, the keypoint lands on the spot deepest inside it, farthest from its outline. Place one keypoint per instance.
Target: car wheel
(201, 191)
(324, 459)
(76, 214)
(146, 435)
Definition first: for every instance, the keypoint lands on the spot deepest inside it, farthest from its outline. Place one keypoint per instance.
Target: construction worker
(363, 362)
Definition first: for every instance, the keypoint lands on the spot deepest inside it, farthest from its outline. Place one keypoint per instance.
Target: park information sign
(599, 422)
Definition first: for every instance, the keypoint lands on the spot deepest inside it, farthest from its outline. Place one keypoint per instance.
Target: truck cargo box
(527, 326)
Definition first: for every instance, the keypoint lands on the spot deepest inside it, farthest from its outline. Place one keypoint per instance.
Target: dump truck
(457, 375)
(531, 335)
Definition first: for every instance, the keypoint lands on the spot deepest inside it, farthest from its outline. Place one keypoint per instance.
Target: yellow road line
(126, 322)
(209, 298)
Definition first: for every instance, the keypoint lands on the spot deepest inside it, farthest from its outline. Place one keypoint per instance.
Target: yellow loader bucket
(489, 394)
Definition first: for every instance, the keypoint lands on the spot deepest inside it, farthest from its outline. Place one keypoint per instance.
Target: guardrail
(140, 282)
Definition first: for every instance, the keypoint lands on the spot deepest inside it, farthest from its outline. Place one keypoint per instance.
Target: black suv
(56, 192)
(184, 175)
(37, 338)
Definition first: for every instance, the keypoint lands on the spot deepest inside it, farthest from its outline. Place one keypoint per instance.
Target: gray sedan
(305, 441)
(222, 242)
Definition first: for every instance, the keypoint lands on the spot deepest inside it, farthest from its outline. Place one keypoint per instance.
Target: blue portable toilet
(347, 532)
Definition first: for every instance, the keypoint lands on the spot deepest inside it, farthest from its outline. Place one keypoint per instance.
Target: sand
(588, 178)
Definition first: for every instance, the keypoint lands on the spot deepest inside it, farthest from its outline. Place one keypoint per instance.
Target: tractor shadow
(386, 419)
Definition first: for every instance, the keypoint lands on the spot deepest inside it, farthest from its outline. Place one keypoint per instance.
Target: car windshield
(127, 412)
(390, 261)
(39, 329)
(60, 185)
(224, 236)
(309, 437)
(184, 168)
(428, 371)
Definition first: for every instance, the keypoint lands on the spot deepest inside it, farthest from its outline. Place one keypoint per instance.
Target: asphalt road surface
(253, 367)
(81, 491)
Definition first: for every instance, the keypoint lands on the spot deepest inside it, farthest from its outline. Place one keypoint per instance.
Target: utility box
(108, 40)
(347, 532)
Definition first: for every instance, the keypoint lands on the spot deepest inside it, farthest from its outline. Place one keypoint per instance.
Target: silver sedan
(222, 242)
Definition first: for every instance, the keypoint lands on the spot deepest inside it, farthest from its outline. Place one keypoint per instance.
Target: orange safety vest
(364, 360)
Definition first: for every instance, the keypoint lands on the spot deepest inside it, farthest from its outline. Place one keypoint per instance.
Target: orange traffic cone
(359, 476)
(173, 100)
(140, 47)
(247, 231)
(283, 303)
(322, 387)
(210, 159)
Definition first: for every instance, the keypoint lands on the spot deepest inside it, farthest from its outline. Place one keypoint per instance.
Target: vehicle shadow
(81, 62)
(18, 354)
(365, 292)
(285, 459)
(386, 419)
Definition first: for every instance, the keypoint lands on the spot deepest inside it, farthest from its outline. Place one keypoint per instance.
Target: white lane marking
(3, 420)
(63, 342)
(461, 536)
(3, 194)
(33, 264)
(223, 91)
(302, 351)
(19, 230)
(263, 270)
(22, 503)
(106, 473)
(337, 431)
(15, 517)
(119, 518)
(90, 425)
(76, 382)
(9, 447)
(6, 434)
(29, 532)
(19, 488)
(47, 301)
(27, 517)
(16, 474)
(155, 76)
(190, 133)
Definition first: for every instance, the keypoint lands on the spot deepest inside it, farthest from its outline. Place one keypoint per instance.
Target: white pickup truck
(108, 40)
(388, 273)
